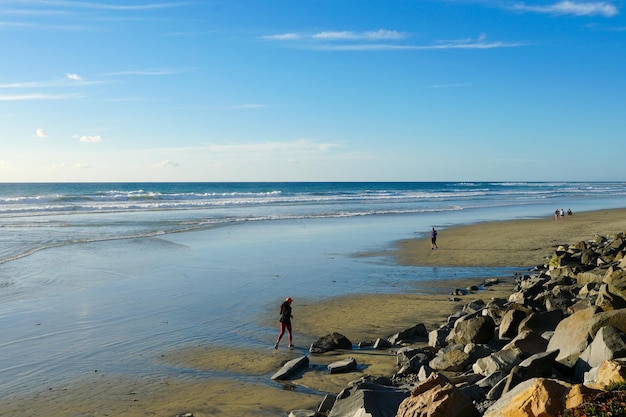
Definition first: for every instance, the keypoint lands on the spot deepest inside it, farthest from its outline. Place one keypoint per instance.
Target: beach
(523, 243)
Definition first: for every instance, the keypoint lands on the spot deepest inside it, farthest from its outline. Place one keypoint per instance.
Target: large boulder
(503, 360)
(511, 320)
(528, 343)
(470, 329)
(330, 342)
(609, 343)
(342, 366)
(451, 358)
(291, 368)
(409, 335)
(435, 397)
(613, 291)
(535, 397)
(368, 399)
(571, 336)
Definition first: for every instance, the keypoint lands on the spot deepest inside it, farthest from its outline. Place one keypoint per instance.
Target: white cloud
(575, 8)
(283, 37)
(36, 96)
(380, 34)
(91, 139)
(41, 133)
(383, 39)
(166, 164)
(73, 77)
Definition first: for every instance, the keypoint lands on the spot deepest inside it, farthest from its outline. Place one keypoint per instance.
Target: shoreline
(360, 317)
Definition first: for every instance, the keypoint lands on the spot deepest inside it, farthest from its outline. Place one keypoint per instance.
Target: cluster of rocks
(560, 337)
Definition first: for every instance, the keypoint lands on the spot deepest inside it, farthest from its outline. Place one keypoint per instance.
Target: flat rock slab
(343, 366)
(291, 368)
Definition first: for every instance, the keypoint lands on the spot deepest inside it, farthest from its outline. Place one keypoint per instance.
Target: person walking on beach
(285, 322)
(433, 239)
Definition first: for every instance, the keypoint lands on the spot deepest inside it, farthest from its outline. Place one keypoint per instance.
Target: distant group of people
(560, 213)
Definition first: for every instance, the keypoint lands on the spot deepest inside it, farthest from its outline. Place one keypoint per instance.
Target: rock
(571, 336)
(528, 343)
(537, 366)
(451, 358)
(409, 335)
(330, 342)
(437, 337)
(511, 320)
(610, 372)
(613, 291)
(327, 403)
(609, 343)
(342, 366)
(291, 368)
(542, 322)
(382, 344)
(535, 397)
(503, 360)
(303, 413)
(437, 397)
(470, 329)
(366, 399)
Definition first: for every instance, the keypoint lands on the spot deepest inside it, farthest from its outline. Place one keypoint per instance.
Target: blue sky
(312, 90)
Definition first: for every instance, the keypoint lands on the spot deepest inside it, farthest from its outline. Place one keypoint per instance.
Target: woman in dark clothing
(285, 321)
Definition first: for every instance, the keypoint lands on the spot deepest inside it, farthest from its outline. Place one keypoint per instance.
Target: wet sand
(247, 387)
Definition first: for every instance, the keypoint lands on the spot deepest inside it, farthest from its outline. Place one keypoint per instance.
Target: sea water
(109, 276)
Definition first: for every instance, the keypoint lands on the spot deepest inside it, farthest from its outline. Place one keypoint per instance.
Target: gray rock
(609, 343)
(291, 368)
(503, 360)
(451, 358)
(409, 335)
(528, 343)
(303, 413)
(470, 329)
(342, 366)
(368, 399)
(330, 342)
(437, 337)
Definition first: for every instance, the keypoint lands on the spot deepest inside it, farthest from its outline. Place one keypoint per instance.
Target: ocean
(108, 276)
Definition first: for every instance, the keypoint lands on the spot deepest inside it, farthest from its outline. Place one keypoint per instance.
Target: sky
(312, 90)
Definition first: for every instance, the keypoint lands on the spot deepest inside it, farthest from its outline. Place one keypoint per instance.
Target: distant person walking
(433, 239)
(569, 213)
(285, 322)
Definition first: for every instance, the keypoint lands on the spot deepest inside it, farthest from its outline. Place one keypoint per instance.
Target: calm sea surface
(108, 276)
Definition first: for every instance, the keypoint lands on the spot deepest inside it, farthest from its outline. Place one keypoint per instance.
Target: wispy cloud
(37, 96)
(40, 133)
(379, 40)
(377, 35)
(167, 164)
(69, 4)
(91, 139)
(73, 77)
(575, 8)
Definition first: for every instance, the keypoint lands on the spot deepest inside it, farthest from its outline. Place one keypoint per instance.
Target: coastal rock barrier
(557, 341)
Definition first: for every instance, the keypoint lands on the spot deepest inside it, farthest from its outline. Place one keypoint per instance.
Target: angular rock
(610, 372)
(536, 366)
(511, 320)
(437, 337)
(409, 335)
(330, 342)
(503, 360)
(291, 368)
(528, 343)
(367, 399)
(451, 358)
(303, 413)
(437, 397)
(541, 322)
(571, 336)
(535, 397)
(609, 343)
(470, 329)
(342, 366)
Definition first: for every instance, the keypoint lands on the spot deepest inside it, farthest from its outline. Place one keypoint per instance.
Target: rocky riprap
(558, 340)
